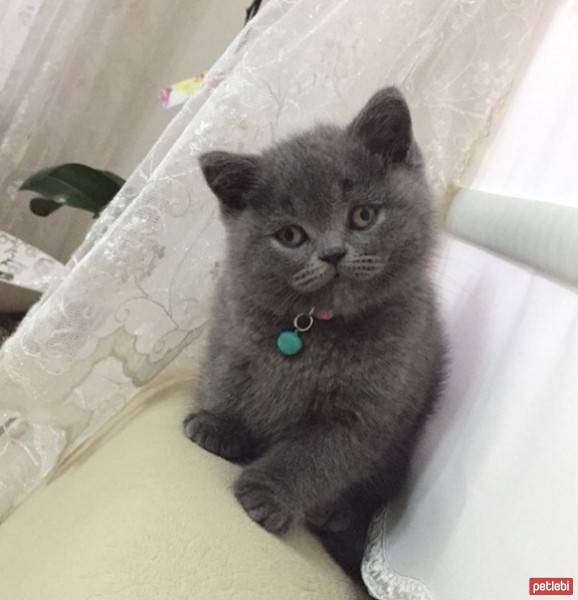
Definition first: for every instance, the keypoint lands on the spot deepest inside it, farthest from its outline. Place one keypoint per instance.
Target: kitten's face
(327, 223)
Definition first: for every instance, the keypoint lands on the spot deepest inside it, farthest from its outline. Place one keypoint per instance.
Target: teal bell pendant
(289, 343)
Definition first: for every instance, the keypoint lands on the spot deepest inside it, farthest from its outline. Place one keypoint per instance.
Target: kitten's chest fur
(312, 384)
(341, 368)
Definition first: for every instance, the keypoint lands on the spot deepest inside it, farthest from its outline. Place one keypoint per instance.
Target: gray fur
(327, 434)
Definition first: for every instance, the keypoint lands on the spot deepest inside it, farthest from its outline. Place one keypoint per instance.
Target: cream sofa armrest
(148, 515)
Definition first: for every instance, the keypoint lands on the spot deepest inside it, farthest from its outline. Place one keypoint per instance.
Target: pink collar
(325, 315)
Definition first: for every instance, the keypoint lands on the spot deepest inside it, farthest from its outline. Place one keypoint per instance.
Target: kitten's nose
(332, 255)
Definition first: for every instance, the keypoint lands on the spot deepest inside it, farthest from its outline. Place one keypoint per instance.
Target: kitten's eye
(362, 217)
(291, 236)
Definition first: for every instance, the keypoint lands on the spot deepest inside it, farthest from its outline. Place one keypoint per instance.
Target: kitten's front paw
(264, 501)
(215, 435)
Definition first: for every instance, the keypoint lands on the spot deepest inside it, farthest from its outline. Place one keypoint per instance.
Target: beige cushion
(148, 515)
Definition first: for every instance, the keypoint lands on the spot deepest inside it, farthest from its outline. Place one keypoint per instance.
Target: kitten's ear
(384, 125)
(231, 177)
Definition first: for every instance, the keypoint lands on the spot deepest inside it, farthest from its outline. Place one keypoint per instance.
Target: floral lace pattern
(24, 265)
(62, 102)
(382, 581)
(136, 296)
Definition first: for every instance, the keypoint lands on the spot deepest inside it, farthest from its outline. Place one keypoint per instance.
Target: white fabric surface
(495, 486)
(138, 290)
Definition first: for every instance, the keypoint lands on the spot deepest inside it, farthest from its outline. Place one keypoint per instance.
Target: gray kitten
(337, 226)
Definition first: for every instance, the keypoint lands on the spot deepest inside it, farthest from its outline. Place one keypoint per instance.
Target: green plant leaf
(116, 178)
(75, 185)
(43, 207)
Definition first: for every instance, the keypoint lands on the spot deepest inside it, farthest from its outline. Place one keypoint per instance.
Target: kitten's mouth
(327, 300)
(319, 277)
(310, 281)
(336, 290)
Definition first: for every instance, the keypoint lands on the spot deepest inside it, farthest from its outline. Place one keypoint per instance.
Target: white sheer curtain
(64, 84)
(136, 299)
(79, 82)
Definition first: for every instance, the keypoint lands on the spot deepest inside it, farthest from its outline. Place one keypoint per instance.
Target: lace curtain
(79, 82)
(135, 301)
